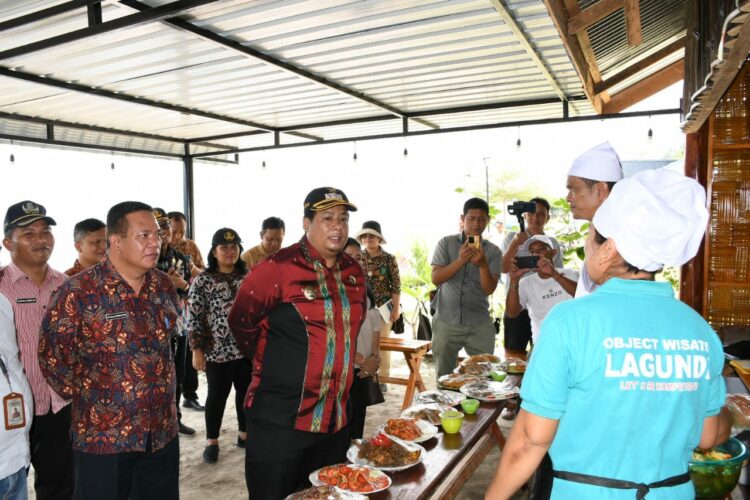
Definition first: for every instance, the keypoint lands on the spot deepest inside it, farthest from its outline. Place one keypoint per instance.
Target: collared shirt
(14, 443)
(189, 247)
(634, 370)
(254, 255)
(382, 275)
(557, 260)
(77, 268)
(211, 296)
(585, 284)
(460, 301)
(298, 322)
(109, 349)
(29, 303)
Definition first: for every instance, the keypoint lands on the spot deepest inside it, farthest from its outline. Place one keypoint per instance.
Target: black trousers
(136, 475)
(279, 460)
(359, 406)
(178, 347)
(221, 377)
(190, 380)
(517, 331)
(52, 455)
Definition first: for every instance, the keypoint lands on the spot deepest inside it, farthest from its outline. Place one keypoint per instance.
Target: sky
(414, 197)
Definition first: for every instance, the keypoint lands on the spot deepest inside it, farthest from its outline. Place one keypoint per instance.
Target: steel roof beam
(93, 128)
(272, 61)
(145, 16)
(523, 39)
(83, 145)
(85, 89)
(545, 121)
(46, 13)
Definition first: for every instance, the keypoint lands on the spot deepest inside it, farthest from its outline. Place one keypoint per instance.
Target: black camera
(528, 262)
(518, 208)
(521, 207)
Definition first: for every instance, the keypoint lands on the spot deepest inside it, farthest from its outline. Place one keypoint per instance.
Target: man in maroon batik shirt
(296, 316)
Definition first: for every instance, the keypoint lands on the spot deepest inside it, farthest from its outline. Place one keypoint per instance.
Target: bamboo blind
(727, 295)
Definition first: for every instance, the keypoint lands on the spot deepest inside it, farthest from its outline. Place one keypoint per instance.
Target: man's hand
(478, 259)
(466, 252)
(199, 360)
(370, 366)
(516, 273)
(520, 238)
(177, 279)
(545, 266)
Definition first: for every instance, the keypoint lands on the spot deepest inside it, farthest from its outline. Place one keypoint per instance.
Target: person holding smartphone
(466, 269)
(537, 292)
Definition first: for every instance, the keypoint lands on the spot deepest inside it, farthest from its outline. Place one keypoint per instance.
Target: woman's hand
(199, 360)
(370, 366)
(395, 312)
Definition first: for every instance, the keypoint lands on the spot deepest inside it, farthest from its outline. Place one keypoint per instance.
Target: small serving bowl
(470, 406)
(716, 478)
(497, 375)
(452, 421)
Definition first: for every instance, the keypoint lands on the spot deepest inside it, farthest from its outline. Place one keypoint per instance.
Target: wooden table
(414, 351)
(451, 459)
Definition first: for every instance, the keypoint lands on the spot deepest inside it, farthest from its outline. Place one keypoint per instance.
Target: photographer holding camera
(537, 292)
(535, 214)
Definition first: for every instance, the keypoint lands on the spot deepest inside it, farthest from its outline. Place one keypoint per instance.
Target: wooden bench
(414, 351)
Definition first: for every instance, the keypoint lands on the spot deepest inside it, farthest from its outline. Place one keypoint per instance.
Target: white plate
(343, 494)
(452, 398)
(353, 452)
(490, 391)
(435, 408)
(428, 430)
(371, 470)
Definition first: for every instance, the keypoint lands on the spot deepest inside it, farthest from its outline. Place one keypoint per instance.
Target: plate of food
(513, 366)
(351, 478)
(489, 391)
(478, 364)
(426, 411)
(386, 453)
(325, 492)
(414, 430)
(454, 381)
(450, 398)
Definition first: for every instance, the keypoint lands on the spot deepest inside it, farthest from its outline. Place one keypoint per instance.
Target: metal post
(188, 193)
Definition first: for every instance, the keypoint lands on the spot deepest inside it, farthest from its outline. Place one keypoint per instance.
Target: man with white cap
(629, 369)
(538, 292)
(590, 180)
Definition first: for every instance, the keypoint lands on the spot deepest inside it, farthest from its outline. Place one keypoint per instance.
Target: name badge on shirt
(30, 300)
(14, 411)
(114, 316)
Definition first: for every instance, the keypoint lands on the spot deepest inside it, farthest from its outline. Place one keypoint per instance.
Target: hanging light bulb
(650, 130)
(518, 141)
(354, 157)
(264, 164)
(12, 156)
(112, 165)
(406, 152)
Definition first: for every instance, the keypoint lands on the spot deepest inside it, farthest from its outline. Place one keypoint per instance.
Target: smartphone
(474, 241)
(528, 262)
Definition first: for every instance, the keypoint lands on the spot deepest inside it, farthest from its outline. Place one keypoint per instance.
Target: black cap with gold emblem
(225, 235)
(160, 215)
(324, 198)
(24, 213)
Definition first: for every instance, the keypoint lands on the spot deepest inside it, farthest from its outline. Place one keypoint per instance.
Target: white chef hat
(598, 164)
(537, 237)
(656, 218)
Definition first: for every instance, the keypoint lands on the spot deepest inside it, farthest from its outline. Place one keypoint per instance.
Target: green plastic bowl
(452, 421)
(716, 478)
(470, 406)
(497, 375)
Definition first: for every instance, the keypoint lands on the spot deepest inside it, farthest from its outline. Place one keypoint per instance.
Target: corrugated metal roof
(311, 61)
(662, 22)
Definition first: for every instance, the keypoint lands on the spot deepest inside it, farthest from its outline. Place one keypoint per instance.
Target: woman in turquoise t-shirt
(625, 382)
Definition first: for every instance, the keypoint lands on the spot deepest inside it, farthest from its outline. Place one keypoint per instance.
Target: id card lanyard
(14, 410)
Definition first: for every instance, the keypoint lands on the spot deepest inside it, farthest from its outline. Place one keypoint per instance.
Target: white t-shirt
(14, 444)
(557, 261)
(585, 283)
(538, 296)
